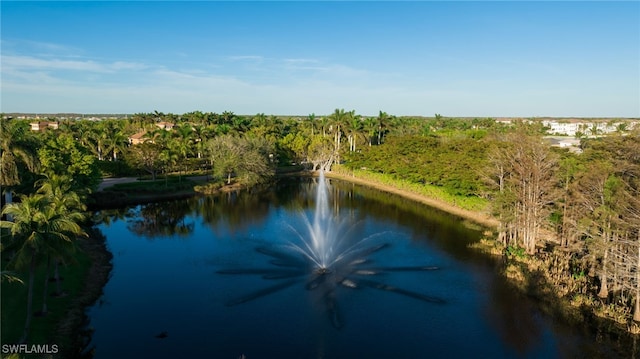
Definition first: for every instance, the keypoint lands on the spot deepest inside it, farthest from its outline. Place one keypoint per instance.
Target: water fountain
(316, 268)
(327, 254)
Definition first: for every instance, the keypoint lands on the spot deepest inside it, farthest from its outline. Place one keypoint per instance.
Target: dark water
(204, 278)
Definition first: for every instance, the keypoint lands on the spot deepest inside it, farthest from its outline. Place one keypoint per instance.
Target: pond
(237, 276)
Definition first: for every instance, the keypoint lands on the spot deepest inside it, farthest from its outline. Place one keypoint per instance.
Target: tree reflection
(163, 219)
(237, 210)
(514, 317)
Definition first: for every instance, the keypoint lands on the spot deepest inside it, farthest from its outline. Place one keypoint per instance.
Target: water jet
(327, 253)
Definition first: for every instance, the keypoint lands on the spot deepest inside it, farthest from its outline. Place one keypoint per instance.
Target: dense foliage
(587, 202)
(452, 162)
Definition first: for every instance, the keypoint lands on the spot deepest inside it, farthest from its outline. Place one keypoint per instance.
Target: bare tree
(524, 169)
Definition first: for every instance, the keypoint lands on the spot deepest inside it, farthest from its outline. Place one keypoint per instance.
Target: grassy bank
(138, 192)
(14, 299)
(469, 203)
(474, 209)
(81, 285)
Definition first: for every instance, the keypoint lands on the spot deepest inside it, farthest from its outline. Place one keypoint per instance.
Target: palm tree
(383, 122)
(324, 122)
(159, 136)
(82, 132)
(354, 125)
(115, 142)
(260, 119)
(312, 122)
(184, 132)
(370, 127)
(199, 136)
(14, 149)
(338, 119)
(65, 202)
(99, 136)
(177, 151)
(9, 277)
(37, 230)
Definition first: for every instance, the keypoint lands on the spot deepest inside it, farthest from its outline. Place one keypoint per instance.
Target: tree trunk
(229, 178)
(8, 198)
(604, 289)
(57, 276)
(46, 287)
(32, 274)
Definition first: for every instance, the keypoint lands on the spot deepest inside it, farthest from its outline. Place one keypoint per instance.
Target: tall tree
(15, 150)
(35, 229)
(312, 123)
(370, 127)
(116, 141)
(353, 126)
(62, 155)
(338, 119)
(383, 120)
(597, 191)
(146, 157)
(531, 167)
(67, 203)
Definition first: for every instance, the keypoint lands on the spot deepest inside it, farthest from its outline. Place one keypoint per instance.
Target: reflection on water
(242, 280)
(353, 271)
(327, 254)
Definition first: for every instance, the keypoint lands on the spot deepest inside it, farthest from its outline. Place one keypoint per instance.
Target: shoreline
(71, 329)
(72, 326)
(100, 270)
(476, 217)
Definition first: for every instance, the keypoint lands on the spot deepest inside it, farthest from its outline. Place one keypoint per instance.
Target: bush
(115, 169)
(514, 251)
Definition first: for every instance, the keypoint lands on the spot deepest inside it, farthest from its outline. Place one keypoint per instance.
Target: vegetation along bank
(567, 219)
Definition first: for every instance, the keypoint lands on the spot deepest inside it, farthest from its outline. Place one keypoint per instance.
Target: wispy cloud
(244, 84)
(51, 47)
(10, 63)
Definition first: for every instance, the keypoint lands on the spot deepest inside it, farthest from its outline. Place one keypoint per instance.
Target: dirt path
(108, 182)
(477, 217)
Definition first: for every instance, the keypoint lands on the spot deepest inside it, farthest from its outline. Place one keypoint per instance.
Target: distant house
(165, 125)
(138, 138)
(574, 126)
(570, 143)
(43, 125)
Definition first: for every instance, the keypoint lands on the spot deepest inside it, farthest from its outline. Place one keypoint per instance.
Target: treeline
(585, 204)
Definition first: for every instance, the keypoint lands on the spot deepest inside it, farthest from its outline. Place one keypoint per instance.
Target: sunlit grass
(471, 203)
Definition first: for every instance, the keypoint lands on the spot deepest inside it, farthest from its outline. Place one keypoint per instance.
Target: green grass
(14, 302)
(466, 202)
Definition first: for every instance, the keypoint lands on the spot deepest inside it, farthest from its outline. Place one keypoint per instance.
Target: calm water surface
(169, 296)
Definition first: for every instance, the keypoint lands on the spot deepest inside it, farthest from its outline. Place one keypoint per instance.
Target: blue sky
(476, 58)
